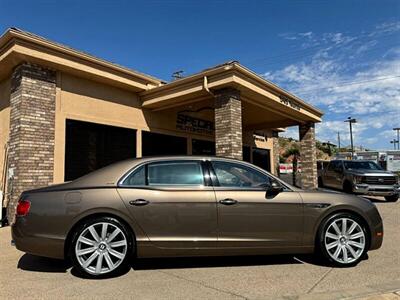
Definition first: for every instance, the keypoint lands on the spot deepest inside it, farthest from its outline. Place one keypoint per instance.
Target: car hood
(366, 172)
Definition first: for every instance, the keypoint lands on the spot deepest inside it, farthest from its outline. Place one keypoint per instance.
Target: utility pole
(177, 75)
(398, 137)
(394, 141)
(338, 139)
(351, 120)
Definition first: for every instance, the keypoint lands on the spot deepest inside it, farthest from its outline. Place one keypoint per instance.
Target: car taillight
(23, 208)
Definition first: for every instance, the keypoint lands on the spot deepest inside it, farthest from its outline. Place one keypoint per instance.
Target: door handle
(228, 201)
(139, 202)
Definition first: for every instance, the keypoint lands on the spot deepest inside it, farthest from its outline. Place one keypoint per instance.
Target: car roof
(111, 174)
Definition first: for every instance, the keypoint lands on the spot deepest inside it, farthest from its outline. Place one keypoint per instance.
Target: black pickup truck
(360, 177)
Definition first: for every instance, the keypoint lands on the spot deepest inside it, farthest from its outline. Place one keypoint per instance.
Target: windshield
(365, 165)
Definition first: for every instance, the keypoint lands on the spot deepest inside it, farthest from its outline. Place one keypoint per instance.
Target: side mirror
(274, 189)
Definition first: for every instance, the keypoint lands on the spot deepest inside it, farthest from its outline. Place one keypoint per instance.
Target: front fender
(334, 202)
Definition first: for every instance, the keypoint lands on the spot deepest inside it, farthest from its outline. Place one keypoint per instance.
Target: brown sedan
(189, 206)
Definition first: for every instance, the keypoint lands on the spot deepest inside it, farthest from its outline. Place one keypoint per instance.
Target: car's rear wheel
(101, 247)
(343, 240)
(392, 198)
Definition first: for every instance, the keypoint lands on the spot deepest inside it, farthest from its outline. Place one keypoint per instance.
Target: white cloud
(343, 82)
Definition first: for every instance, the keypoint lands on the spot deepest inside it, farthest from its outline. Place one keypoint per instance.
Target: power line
(317, 47)
(278, 62)
(345, 84)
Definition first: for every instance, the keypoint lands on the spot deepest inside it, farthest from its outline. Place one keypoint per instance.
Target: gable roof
(22, 45)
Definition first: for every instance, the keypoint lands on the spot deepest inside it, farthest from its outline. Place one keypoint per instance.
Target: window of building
(262, 158)
(154, 144)
(90, 146)
(203, 147)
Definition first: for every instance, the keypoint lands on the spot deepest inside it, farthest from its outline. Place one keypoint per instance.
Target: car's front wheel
(392, 198)
(101, 246)
(343, 239)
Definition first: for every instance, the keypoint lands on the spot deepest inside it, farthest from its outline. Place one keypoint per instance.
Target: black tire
(123, 263)
(392, 198)
(320, 182)
(321, 246)
(348, 187)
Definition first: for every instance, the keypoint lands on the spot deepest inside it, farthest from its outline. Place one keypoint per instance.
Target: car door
(338, 175)
(247, 217)
(329, 175)
(173, 203)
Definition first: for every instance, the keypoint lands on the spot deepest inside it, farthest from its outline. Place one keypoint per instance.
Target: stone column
(32, 130)
(275, 149)
(308, 156)
(228, 124)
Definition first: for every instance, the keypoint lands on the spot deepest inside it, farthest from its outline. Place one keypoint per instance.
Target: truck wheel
(392, 198)
(320, 182)
(348, 187)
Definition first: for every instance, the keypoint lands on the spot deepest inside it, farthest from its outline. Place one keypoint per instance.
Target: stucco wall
(82, 99)
(264, 141)
(4, 122)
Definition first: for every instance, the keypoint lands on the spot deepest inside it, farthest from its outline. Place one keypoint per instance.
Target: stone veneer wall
(308, 156)
(228, 124)
(32, 125)
(275, 158)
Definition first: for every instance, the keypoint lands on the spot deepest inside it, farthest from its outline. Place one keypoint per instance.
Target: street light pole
(338, 139)
(351, 120)
(398, 137)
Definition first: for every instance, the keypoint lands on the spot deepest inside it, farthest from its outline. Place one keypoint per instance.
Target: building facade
(64, 113)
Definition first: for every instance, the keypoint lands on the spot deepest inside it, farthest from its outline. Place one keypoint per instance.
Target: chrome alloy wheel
(344, 240)
(101, 248)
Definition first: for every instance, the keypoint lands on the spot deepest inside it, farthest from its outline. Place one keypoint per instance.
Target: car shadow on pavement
(216, 262)
(35, 263)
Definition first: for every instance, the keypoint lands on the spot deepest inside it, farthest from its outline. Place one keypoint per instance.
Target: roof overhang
(253, 88)
(18, 46)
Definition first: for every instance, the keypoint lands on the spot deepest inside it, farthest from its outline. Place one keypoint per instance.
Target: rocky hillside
(289, 147)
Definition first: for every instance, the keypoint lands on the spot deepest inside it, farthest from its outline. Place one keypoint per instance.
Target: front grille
(381, 180)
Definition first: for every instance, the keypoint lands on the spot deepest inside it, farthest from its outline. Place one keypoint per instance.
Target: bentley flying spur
(189, 206)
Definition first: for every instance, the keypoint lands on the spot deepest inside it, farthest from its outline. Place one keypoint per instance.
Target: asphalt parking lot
(271, 277)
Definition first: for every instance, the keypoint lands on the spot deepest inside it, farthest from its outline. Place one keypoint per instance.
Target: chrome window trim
(251, 166)
(123, 178)
(203, 187)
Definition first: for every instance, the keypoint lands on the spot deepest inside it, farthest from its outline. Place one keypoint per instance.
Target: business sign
(289, 102)
(192, 124)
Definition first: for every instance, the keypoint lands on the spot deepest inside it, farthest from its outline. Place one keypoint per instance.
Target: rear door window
(179, 173)
(136, 178)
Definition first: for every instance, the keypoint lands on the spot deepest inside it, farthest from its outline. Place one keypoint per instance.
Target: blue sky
(341, 56)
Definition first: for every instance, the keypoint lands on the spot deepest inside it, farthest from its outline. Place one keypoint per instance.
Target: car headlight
(358, 179)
